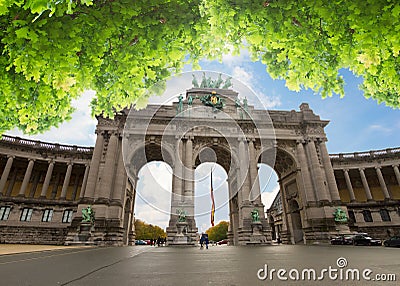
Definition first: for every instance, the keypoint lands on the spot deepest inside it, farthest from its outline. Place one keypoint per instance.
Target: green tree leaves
(53, 50)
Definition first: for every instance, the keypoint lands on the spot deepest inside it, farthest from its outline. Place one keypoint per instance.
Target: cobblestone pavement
(218, 265)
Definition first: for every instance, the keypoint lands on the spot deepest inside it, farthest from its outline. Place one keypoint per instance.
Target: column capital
(378, 168)
(10, 156)
(395, 166)
(361, 169)
(322, 140)
(31, 159)
(70, 163)
(346, 170)
(300, 141)
(242, 139)
(99, 132)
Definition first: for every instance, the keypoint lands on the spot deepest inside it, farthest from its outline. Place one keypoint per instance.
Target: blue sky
(356, 124)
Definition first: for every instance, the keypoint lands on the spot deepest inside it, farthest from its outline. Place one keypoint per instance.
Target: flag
(212, 202)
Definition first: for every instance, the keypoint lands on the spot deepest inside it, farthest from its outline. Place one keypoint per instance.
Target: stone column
(305, 174)
(177, 193)
(109, 168)
(84, 182)
(27, 177)
(365, 185)
(5, 174)
(320, 189)
(397, 173)
(94, 167)
(66, 182)
(244, 172)
(118, 191)
(12, 182)
(47, 179)
(255, 193)
(330, 175)
(382, 183)
(189, 169)
(349, 186)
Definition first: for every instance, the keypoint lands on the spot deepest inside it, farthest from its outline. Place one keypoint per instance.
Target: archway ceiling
(223, 157)
(279, 160)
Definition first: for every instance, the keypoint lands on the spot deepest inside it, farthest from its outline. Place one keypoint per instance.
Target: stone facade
(369, 187)
(44, 186)
(40, 187)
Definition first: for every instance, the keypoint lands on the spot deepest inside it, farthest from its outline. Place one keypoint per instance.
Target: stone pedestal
(83, 235)
(257, 236)
(182, 237)
(342, 228)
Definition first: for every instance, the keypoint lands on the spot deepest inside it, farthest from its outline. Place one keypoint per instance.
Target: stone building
(44, 187)
(369, 186)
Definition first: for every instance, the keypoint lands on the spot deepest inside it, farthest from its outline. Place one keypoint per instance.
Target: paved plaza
(219, 265)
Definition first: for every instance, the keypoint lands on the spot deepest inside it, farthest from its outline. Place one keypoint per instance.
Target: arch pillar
(182, 233)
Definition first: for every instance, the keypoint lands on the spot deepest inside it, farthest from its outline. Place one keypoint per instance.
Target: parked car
(365, 240)
(393, 241)
(224, 241)
(140, 242)
(342, 240)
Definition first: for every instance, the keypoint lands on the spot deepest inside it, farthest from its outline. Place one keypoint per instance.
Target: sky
(356, 124)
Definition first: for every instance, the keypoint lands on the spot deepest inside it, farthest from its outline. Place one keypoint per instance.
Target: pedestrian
(202, 241)
(206, 240)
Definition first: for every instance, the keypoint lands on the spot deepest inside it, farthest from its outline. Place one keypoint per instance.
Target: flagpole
(212, 201)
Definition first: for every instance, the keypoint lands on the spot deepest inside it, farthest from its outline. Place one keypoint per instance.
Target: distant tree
(148, 231)
(218, 232)
(51, 51)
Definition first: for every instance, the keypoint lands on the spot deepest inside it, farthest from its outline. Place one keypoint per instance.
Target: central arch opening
(203, 200)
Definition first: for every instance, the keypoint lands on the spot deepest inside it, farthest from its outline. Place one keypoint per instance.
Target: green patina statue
(179, 108)
(190, 100)
(340, 216)
(255, 216)
(210, 83)
(181, 215)
(88, 215)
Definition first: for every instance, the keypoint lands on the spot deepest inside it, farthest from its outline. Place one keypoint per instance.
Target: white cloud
(380, 128)
(78, 131)
(267, 198)
(243, 75)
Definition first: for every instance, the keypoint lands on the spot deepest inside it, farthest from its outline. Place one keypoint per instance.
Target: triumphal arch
(213, 125)
(46, 188)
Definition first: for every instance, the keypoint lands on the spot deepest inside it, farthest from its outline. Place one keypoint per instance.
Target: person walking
(202, 240)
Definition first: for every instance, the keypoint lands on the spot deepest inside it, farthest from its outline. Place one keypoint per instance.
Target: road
(218, 265)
